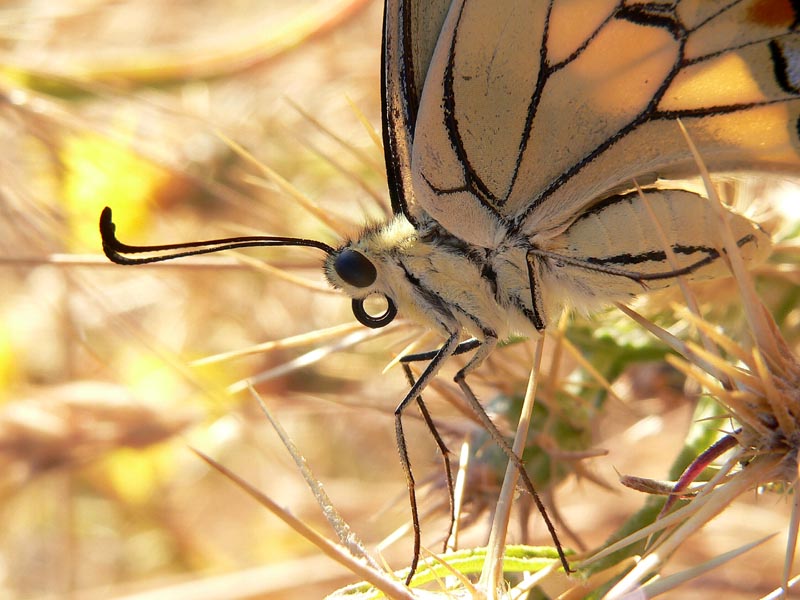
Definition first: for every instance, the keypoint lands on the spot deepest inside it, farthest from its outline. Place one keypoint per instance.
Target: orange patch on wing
(773, 13)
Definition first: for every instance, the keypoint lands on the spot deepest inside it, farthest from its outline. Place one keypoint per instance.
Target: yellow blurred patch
(8, 369)
(147, 376)
(135, 475)
(101, 172)
(166, 380)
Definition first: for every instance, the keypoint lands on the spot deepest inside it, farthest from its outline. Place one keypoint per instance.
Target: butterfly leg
(442, 449)
(463, 347)
(483, 351)
(414, 394)
(536, 316)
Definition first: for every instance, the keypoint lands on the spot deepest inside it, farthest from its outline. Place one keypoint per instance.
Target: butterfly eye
(355, 268)
(368, 320)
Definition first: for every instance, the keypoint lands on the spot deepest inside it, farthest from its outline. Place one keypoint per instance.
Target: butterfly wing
(410, 31)
(532, 110)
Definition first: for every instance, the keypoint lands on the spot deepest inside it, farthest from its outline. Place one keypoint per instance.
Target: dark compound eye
(355, 268)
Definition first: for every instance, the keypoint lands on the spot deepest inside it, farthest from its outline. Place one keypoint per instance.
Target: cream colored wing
(410, 31)
(533, 110)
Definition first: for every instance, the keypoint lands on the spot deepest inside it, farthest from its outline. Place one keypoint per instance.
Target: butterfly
(526, 142)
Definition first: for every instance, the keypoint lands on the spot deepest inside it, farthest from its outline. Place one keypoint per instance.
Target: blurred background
(139, 105)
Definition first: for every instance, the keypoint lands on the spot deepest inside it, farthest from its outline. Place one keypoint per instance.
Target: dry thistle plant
(123, 101)
(755, 383)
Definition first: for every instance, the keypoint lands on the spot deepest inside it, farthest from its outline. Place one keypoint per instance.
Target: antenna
(116, 250)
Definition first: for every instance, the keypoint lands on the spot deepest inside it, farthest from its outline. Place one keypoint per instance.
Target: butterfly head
(361, 269)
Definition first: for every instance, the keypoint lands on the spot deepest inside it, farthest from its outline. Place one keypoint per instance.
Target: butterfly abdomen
(620, 248)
